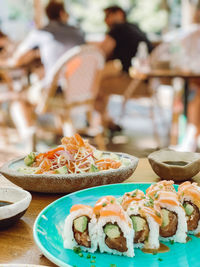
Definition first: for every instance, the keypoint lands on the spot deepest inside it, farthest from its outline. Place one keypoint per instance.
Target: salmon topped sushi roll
(115, 232)
(102, 202)
(146, 220)
(160, 186)
(174, 225)
(135, 195)
(80, 228)
(189, 195)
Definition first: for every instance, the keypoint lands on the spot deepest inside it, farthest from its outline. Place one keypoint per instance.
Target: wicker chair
(78, 72)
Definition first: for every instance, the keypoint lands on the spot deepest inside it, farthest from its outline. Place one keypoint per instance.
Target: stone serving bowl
(19, 199)
(173, 165)
(67, 183)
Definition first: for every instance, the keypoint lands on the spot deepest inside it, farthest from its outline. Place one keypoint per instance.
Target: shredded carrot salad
(74, 155)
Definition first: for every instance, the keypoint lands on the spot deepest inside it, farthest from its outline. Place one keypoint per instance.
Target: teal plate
(49, 226)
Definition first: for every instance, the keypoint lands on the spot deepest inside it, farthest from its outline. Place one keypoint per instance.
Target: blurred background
(157, 104)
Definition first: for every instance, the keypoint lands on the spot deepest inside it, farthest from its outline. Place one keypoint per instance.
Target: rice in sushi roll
(80, 228)
(146, 220)
(115, 232)
(189, 195)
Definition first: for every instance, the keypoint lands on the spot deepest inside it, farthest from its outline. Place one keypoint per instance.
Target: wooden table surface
(17, 244)
(163, 73)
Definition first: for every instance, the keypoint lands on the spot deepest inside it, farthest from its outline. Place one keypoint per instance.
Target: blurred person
(53, 41)
(121, 42)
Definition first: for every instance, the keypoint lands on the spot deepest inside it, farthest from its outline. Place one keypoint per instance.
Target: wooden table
(167, 73)
(17, 244)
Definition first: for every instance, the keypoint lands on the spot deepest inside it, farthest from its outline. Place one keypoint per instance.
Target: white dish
(19, 199)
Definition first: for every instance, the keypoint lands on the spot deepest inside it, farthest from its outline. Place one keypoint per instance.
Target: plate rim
(35, 236)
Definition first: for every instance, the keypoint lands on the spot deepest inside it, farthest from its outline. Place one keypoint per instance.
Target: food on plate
(74, 155)
(80, 228)
(146, 221)
(128, 197)
(139, 220)
(115, 233)
(174, 225)
(189, 195)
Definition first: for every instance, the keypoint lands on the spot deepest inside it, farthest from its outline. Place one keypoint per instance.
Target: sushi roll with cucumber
(189, 195)
(174, 225)
(146, 220)
(115, 232)
(103, 202)
(80, 228)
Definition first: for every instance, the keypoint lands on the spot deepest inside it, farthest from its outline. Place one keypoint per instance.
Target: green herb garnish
(80, 255)
(77, 250)
(88, 256)
(171, 242)
(92, 261)
(155, 252)
(94, 257)
(104, 204)
(113, 265)
(112, 201)
(160, 259)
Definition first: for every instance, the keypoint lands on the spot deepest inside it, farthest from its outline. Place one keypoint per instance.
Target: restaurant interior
(94, 93)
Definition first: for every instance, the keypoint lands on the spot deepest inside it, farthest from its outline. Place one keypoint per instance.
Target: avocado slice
(62, 170)
(188, 209)
(112, 230)
(165, 217)
(138, 223)
(80, 224)
(29, 159)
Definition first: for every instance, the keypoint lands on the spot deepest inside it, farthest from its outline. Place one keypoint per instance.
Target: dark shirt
(127, 37)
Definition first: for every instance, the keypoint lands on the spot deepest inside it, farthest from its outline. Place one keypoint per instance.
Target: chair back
(78, 71)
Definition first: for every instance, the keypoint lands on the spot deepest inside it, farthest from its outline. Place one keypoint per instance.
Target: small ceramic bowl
(13, 204)
(173, 165)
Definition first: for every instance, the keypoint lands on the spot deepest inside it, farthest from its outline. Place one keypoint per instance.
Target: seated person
(121, 42)
(53, 41)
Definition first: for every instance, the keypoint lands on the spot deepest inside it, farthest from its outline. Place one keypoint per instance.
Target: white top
(53, 41)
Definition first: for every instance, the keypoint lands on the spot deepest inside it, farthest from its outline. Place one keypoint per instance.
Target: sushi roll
(189, 195)
(135, 195)
(80, 228)
(102, 202)
(146, 220)
(115, 232)
(161, 186)
(174, 225)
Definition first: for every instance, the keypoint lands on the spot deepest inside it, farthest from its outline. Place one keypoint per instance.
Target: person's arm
(107, 45)
(31, 41)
